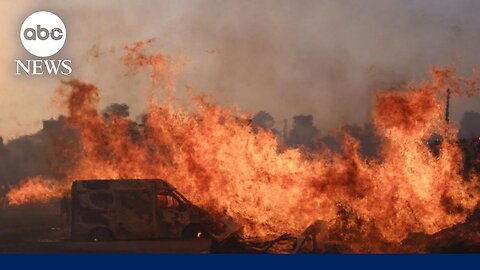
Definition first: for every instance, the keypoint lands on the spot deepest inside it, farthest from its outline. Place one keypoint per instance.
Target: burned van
(104, 210)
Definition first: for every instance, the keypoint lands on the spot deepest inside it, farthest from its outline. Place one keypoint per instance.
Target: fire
(213, 157)
(37, 189)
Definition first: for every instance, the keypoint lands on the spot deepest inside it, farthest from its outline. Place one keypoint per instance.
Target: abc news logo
(43, 34)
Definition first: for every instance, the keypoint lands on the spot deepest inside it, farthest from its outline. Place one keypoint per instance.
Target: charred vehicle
(104, 210)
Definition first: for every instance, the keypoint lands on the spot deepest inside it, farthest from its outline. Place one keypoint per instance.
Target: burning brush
(212, 156)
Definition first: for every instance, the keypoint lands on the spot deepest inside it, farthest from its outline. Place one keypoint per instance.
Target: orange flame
(213, 157)
(36, 190)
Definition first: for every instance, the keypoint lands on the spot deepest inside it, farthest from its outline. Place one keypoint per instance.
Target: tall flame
(213, 157)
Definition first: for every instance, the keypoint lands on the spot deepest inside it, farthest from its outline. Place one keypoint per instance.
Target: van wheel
(101, 235)
(193, 231)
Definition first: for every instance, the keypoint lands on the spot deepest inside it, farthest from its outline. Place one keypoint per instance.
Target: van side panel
(135, 218)
(125, 208)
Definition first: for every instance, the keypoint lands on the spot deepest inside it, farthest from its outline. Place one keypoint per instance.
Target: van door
(134, 215)
(171, 218)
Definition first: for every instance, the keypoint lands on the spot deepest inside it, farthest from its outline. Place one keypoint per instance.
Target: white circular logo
(43, 34)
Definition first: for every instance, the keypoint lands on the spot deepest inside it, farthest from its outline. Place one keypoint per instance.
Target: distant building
(54, 124)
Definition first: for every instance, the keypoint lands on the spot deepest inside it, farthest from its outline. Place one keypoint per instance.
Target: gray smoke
(311, 57)
(470, 125)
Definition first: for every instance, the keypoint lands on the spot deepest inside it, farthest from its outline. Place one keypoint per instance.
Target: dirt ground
(41, 229)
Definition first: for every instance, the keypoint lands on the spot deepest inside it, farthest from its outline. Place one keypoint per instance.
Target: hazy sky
(324, 58)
